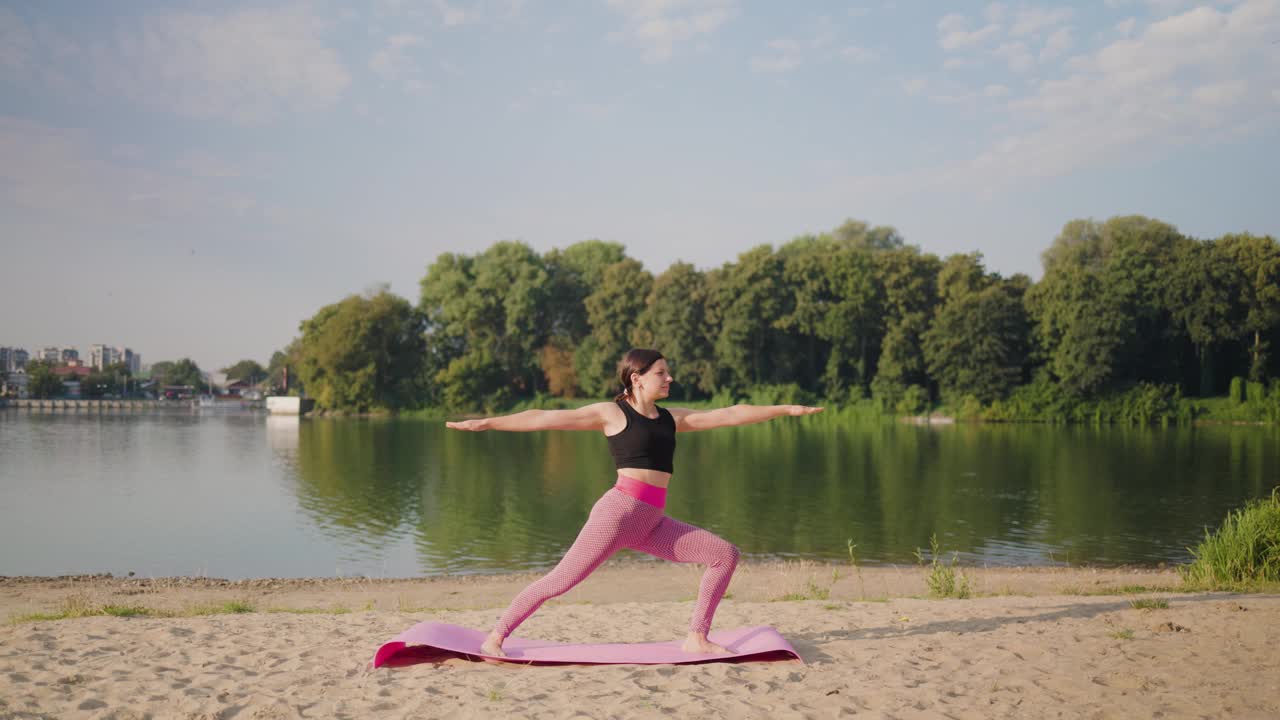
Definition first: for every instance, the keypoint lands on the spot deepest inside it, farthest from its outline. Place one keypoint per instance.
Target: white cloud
(450, 15)
(16, 42)
(1057, 44)
(1031, 21)
(1125, 27)
(857, 54)
(1220, 94)
(958, 63)
(954, 32)
(824, 33)
(202, 163)
(393, 60)
(247, 66)
(995, 91)
(1192, 77)
(658, 26)
(35, 56)
(1017, 55)
(775, 64)
(784, 57)
(915, 85)
(48, 170)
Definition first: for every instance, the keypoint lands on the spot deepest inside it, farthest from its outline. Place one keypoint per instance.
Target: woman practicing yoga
(642, 439)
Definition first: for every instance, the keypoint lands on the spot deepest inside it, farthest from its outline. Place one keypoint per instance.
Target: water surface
(252, 496)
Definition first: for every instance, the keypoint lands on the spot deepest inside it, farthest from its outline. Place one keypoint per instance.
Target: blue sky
(195, 178)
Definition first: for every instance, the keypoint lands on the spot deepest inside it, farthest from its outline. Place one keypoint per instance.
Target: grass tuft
(1149, 604)
(1242, 554)
(127, 611)
(335, 610)
(944, 579)
(1125, 634)
(234, 607)
(812, 591)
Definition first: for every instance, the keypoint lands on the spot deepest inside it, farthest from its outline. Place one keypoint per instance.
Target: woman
(642, 439)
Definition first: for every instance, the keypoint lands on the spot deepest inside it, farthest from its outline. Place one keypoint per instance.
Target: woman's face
(656, 381)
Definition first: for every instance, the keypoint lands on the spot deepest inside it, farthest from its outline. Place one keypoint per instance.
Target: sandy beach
(1031, 643)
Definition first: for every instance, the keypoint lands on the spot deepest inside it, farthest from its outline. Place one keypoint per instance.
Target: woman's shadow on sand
(809, 645)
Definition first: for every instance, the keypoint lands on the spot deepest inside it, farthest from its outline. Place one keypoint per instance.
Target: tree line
(1124, 305)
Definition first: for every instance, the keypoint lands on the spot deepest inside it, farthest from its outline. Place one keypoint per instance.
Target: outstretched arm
(587, 417)
(691, 420)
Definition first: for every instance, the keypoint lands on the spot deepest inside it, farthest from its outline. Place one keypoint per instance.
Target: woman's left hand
(470, 425)
(798, 410)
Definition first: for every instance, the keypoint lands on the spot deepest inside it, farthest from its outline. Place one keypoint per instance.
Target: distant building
(15, 383)
(72, 371)
(69, 354)
(50, 354)
(101, 356)
(18, 360)
(6, 360)
(131, 360)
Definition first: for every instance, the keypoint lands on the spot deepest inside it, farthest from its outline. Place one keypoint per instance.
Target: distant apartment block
(101, 356)
(50, 354)
(70, 354)
(12, 359)
(131, 359)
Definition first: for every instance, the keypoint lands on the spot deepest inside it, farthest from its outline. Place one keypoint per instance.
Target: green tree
(908, 281)
(977, 344)
(183, 372)
(108, 381)
(1204, 289)
(497, 306)
(674, 321)
(1257, 259)
(573, 274)
(281, 371)
(363, 353)
(42, 382)
(749, 298)
(612, 311)
(835, 311)
(248, 370)
(858, 234)
(1100, 312)
(160, 370)
(1080, 326)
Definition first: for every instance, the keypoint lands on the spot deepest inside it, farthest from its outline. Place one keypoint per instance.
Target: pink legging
(620, 521)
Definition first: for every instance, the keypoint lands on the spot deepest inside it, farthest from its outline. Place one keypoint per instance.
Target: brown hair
(636, 360)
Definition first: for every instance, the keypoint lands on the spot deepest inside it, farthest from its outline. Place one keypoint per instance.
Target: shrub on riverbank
(1241, 554)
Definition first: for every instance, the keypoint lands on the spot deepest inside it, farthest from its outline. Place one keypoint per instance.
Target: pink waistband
(642, 491)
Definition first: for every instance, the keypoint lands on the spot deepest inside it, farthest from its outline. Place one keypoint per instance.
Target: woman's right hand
(471, 425)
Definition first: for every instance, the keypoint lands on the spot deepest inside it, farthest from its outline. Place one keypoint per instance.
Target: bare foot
(696, 643)
(492, 646)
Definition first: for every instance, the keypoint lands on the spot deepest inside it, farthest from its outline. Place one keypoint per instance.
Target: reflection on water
(253, 495)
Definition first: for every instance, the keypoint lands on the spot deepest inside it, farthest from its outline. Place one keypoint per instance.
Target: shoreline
(1032, 642)
(631, 580)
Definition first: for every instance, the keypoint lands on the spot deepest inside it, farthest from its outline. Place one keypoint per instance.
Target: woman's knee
(727, 555)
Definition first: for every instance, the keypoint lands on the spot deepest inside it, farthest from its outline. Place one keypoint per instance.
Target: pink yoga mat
(430, 641)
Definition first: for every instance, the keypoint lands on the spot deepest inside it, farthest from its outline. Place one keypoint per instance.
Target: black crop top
(645, 443)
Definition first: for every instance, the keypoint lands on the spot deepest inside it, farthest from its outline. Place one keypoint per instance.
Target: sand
(1033, 643)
